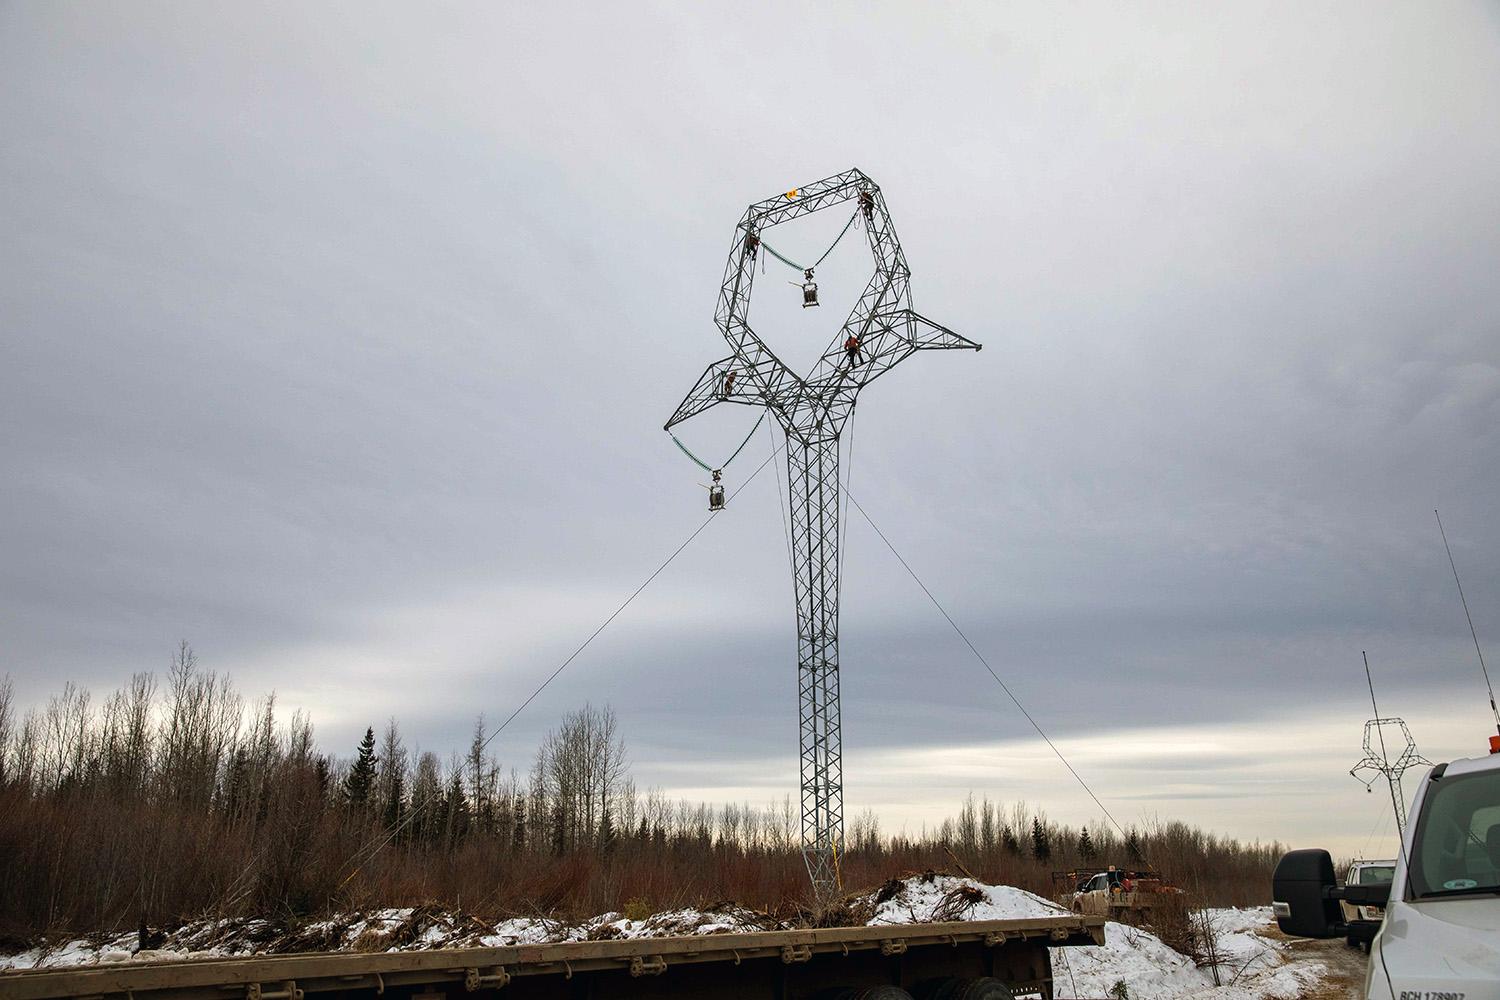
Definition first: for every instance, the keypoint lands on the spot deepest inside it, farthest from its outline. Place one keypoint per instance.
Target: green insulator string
(789, 263)
(709, 468)
(689, 454)
(796, 266)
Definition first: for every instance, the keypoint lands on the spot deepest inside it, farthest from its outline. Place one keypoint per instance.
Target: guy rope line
(986, 663)
(844, 517)
(786, 527)
(417, 809)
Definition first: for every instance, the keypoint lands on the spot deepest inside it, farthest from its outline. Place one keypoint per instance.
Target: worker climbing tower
(881, 331)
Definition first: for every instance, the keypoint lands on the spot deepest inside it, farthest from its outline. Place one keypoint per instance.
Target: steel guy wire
(783, 503)
(986, 663)
(412, 814)
(844, 517)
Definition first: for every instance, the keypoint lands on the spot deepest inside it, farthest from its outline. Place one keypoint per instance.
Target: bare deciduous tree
(390, 777)
(7, 731)
(581, 766)
(167, 804)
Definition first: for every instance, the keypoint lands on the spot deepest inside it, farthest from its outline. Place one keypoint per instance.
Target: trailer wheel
(987, 988)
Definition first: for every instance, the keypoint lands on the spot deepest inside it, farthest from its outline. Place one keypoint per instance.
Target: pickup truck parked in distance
(1364, 920)
(1112, 892)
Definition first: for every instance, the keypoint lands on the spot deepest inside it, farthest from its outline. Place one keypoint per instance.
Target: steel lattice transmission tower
(1377, 759)
(1380, 761)
(812, 411)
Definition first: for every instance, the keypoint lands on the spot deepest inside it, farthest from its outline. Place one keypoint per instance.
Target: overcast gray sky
(338, 340)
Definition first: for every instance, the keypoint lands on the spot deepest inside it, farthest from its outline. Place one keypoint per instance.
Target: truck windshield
(1457, 848)
(1375, 875)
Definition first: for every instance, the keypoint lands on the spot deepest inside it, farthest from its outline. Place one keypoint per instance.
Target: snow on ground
(1149, 969)
(77, 952)
(608, 926)
(925, 899)
(405, 929)
(1252, 965)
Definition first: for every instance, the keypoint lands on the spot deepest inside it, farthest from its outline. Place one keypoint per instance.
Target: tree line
(175, 799)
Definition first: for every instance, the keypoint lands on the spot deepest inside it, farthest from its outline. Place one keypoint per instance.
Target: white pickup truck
(1440, 939)
(1364, 921)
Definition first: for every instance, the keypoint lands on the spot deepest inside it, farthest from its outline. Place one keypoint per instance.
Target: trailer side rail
(292, 977)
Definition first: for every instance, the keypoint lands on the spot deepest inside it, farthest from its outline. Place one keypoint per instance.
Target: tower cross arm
(925, 335)
(807, 199)
(729, 380)
(888, 339)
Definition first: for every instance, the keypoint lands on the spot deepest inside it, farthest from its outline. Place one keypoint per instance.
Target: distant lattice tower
(881, 331)
(1378, 762)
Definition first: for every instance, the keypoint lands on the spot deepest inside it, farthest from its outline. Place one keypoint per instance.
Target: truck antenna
(1371, 683)
(1465, 601)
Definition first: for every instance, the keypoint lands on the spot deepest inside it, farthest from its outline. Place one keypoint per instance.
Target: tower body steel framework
(812, 411)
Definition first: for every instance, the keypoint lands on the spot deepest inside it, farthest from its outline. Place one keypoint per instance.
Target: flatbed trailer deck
(762, 965)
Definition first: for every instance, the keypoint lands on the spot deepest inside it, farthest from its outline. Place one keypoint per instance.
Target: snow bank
(77, 952)
(928, 899)
(725, 919)
(1142, 961)
(1250, 966)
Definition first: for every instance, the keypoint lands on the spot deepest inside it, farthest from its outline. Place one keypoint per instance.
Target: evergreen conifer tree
(237, 784)
(607, 836)
(395, 801)
(456, 808)
(1041, 849)
(361, 776)
(1086, 849)
(518, 828)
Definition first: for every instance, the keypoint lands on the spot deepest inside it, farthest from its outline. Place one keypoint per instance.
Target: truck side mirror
(1366, 895)
(1302, 893)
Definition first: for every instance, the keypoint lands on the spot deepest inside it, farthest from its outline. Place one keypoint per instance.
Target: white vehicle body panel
(1436, 949)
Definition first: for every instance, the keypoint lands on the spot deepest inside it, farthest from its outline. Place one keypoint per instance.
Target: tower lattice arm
(714, 386)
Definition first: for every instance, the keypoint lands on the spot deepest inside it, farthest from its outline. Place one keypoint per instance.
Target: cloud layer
(340, 345)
